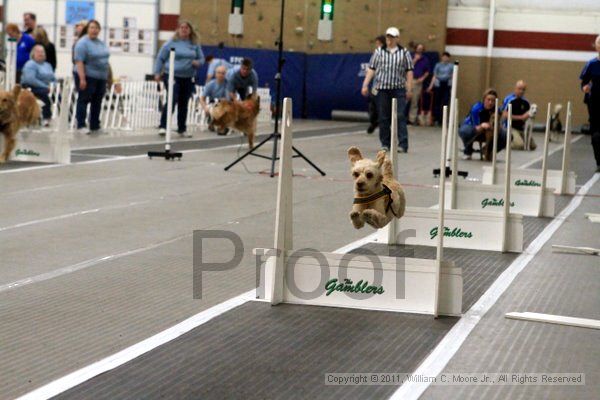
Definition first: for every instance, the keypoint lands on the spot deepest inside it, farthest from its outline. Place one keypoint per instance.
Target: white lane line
(434, 364)
(69, 215)
(538, 159)
(75, 378)
(120, 158)
(82, 265)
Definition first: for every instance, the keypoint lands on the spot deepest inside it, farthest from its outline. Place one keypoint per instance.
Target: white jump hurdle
(53, 146)
(525, 200)
(486, 229)
(347, 280)
(562, 181)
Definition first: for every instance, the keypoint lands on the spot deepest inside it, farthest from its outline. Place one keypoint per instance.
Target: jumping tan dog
(240, 115)
(18, 108)
(378, 197)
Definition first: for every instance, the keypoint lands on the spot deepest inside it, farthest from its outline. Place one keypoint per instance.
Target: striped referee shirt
(391, 68)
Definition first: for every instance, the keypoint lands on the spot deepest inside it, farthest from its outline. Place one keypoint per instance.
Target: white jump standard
(349, 280)
(465, 229)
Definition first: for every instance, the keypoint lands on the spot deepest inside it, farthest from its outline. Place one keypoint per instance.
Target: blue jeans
(467, 133)
(42, 94)
(182, 91)
(385, 97)
(92, 95)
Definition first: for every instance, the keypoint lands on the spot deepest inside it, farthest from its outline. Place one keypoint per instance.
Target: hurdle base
(167, 155)
(436, 172)
(521, 177)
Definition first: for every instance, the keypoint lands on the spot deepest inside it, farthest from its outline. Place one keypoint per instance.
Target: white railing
(135, 105)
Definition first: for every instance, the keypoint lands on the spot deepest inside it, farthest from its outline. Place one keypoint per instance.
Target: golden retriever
(378, 197)
(18, 108)
(240, 115)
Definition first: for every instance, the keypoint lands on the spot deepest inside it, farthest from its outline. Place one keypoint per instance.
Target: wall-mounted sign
(78, 10)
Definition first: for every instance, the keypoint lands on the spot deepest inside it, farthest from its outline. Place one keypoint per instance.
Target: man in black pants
(373, 104)
(590, 84)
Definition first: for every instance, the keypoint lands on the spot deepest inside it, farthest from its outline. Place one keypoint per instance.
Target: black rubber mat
(180, 145)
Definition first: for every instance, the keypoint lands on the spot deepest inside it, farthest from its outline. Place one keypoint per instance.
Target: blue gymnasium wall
(317, 83)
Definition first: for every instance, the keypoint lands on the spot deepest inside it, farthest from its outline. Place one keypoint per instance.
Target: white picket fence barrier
(134, 105)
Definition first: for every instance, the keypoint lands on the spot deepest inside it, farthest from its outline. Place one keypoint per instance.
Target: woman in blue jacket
(478, 120)
(38, 75)
(188, 58)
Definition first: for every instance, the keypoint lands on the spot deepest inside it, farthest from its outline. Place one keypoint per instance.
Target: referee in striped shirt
(392, 66)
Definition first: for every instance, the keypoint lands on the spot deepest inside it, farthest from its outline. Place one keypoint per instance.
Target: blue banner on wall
(77, 10)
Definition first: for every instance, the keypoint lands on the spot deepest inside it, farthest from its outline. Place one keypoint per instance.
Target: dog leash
(386, 191)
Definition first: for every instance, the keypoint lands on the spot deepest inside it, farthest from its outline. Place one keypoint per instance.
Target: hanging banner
(78, 10)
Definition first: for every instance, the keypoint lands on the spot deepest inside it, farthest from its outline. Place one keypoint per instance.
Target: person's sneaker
(386, 149)
(187, 134)
(467, 157)
(45, 123)
(83, 131)
(598, 168)
(402, 150)
(371, 129)
(162, 132)
(96, 131)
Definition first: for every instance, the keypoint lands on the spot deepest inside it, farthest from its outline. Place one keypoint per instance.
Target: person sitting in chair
(479, 126)
(520, 115)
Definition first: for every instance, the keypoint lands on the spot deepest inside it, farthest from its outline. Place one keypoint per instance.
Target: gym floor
(97, 257)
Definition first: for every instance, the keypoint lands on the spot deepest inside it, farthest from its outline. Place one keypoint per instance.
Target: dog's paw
(356, 219)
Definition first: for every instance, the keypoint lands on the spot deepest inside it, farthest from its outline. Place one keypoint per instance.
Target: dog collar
(369, 199)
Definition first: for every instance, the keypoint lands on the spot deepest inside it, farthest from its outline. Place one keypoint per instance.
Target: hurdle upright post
(441, 210)
(453, 91)
(495, 142)
(454, 162)
(506, 208)
(545, 162)
(284, 215)
(392, 228)
(566, 159)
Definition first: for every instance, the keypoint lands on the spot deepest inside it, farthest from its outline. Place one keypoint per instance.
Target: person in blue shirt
(214, 91)
(213, 64)
(478, 121)
(24, 45)
(37, 76)
(91, 67)
(441, 85)
(590, 85)
(188, 58)
(240, 79)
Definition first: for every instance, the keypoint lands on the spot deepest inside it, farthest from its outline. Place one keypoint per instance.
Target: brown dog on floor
(378, 197)
(240, 115)
(18, 108)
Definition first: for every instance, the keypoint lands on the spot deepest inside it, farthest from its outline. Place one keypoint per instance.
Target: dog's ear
(16, 90)
(354, 154)
(380, 157)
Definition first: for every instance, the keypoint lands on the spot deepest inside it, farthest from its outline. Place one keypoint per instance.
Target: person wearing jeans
(91, 67)
(37, 76)
(188, 58)
(392, 68)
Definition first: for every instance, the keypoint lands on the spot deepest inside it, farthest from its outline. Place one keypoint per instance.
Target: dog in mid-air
(18, 108)
(239, 115)
(378, 197)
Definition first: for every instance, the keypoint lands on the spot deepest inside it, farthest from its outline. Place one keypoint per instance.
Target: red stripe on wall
(521, 39)
(1, 12)
(168, 22)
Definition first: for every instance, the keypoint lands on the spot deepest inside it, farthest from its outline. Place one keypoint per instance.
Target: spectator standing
(79, 29)
(373, 105)
(392, 68)
(478, 120)
(38, 74)
(41, 37)
(421, 71)
(213, 64)
(590, 84)
(91, 67)
(242, 78)
(441, 85)
(188, 58)
(24, 45)
(520, 114)
(29, 22)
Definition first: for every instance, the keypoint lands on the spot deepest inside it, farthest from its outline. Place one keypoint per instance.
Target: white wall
(51, 15)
